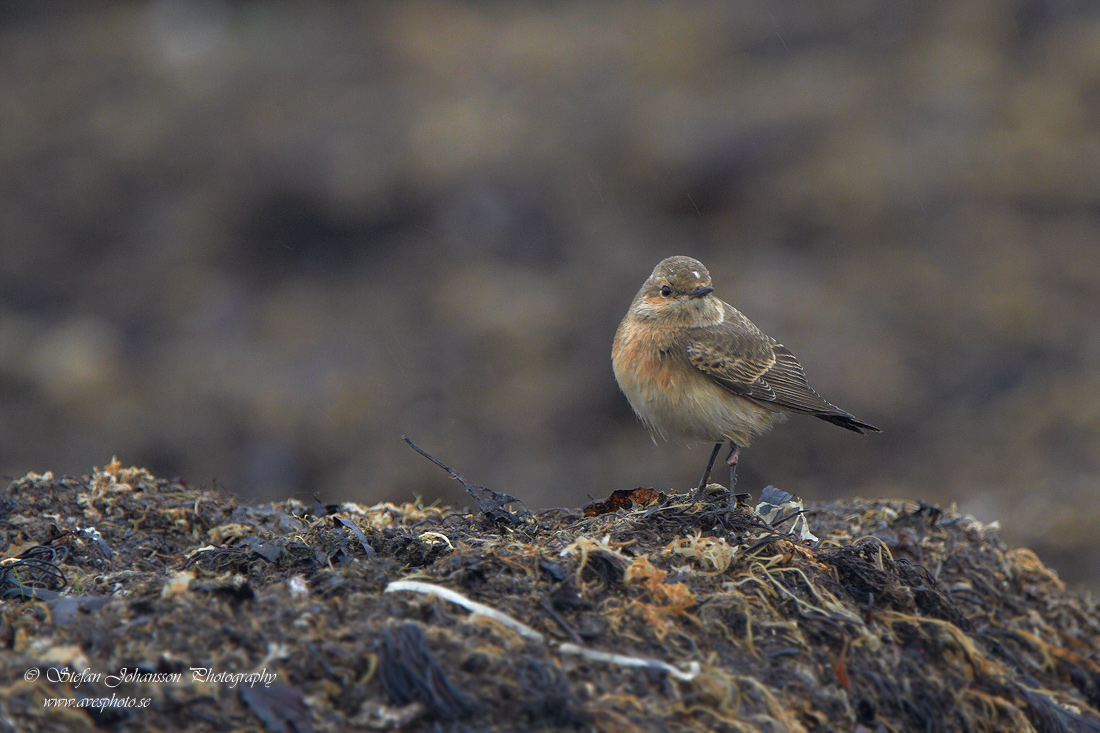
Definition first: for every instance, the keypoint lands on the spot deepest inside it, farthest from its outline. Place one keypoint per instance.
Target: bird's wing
(734, 358)
(738, 356)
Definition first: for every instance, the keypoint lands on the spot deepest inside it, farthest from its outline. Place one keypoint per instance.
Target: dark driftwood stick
(492, 503)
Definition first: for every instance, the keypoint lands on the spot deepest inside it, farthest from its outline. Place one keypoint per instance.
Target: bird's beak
(700, 291)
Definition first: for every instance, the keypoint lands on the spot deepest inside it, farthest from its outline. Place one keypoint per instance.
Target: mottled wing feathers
(737, 363)
(788, 381)
(769, 374)
(738, 356)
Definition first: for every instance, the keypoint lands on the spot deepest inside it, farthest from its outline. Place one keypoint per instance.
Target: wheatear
(693, 367)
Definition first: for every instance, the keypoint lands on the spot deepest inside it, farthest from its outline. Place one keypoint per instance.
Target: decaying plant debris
(669, 612)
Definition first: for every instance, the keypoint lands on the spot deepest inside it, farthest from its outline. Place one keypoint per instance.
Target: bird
(693, 367)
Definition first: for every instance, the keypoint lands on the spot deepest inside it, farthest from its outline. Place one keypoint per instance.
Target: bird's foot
(731, 461)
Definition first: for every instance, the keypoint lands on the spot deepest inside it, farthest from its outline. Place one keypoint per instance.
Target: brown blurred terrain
(254, 244)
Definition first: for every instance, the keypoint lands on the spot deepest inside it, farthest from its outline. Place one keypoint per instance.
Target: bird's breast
(645, 358)
(656, 378)
(672, 397)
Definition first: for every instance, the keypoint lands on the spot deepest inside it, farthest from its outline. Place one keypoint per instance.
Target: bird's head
(678, 292)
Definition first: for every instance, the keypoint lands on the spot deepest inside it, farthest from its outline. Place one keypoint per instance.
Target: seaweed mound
(132, 603)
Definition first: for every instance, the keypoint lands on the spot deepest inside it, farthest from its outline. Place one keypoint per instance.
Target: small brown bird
(694, 367)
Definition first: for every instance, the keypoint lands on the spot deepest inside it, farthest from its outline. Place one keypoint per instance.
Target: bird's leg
(731, 461)
(710, 465)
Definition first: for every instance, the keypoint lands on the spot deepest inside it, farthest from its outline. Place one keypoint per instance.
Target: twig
(624, 661)
(478, 609)
(454, 474)
(527, 632)
(493, 504)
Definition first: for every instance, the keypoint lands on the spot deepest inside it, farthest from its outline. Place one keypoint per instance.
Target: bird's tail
(845, 420)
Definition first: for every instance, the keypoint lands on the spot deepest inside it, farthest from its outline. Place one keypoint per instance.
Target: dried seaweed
(410, 673)
(681, 614)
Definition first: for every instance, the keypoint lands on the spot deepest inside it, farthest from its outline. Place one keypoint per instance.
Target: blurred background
(254, 243)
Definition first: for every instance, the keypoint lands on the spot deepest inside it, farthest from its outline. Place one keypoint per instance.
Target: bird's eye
(666, 290)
